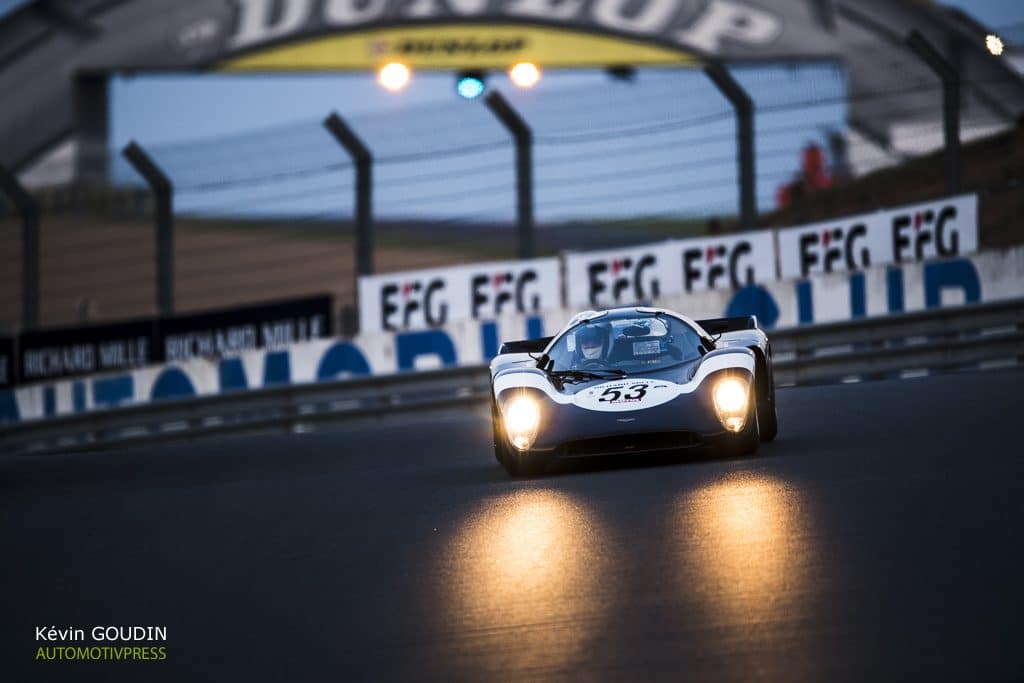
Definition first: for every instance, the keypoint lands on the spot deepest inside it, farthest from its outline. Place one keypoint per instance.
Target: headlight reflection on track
(521, 576)
(740, 538)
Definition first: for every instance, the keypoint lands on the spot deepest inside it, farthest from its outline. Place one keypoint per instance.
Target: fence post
(947, 73)
(363, 160)
(523, 137)
(163, 194)
(744, 108)
(29, 212)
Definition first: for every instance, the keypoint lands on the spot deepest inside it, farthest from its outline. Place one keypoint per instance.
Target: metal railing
(935, 340)
(964, 337)
(290, 407)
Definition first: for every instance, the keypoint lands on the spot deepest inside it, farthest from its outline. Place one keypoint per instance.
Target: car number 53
(633, 392)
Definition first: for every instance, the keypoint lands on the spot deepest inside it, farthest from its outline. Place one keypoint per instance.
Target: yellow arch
(458, 46)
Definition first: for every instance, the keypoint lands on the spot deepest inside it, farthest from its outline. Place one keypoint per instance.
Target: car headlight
(732, 397)
(522, 418)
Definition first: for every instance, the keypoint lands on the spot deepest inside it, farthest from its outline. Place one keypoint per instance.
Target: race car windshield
(630, 343)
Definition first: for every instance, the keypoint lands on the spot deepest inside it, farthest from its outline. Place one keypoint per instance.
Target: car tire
(497, 434)
(767, 417)
(512, 463)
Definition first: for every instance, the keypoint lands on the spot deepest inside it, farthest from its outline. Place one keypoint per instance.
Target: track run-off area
(881, 537)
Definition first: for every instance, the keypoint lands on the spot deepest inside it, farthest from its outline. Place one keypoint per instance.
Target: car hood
(676, 374)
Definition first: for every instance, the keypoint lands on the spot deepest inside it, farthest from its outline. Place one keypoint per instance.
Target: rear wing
(723, 325)
(525, 345)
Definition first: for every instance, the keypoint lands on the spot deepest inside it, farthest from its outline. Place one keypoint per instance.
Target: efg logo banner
(936, 229)
(845, 244)
(727, 262)
(434, 298)
(619, 277)
(947, 227)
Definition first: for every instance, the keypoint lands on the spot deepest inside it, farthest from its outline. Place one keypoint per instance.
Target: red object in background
(782, 198)
(813, 176)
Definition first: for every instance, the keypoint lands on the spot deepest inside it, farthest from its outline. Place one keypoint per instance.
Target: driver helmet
(591, 342)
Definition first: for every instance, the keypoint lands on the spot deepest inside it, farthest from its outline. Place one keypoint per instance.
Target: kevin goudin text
(101, 633)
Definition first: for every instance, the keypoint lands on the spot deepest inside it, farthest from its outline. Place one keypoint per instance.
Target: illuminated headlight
(522, 418)
(731, 399)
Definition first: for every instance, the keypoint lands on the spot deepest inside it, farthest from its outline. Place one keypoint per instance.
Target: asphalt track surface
(880, 538)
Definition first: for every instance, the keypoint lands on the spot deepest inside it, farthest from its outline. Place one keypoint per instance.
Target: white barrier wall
(877, 291)
(880, 290)
(616, 277)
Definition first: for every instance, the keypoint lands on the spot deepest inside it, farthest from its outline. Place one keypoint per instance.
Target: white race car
(632, 380)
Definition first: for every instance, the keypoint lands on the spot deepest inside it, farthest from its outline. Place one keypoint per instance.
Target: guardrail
(938, 339)
(290, 407)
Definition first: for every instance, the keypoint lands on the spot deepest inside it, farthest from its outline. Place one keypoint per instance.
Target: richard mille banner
(481, 291)
(85, 350)
(91, 349)
(272, 325)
